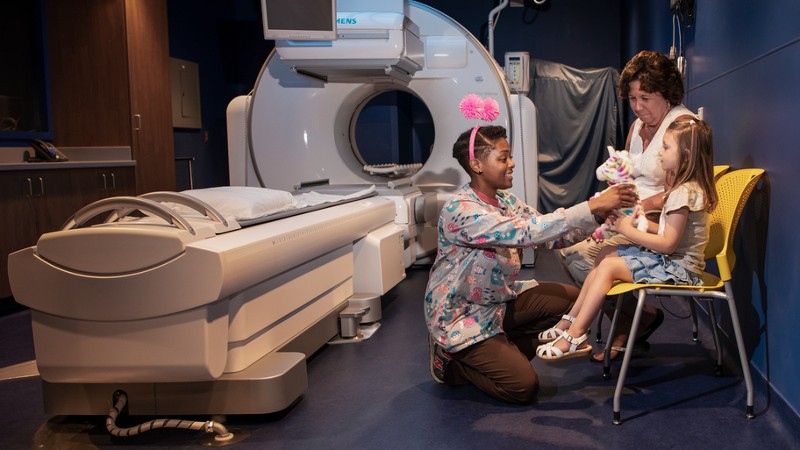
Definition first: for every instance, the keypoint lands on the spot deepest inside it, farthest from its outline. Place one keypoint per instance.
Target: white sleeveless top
(647, 172)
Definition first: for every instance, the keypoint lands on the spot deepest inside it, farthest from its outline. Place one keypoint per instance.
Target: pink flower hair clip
(475, 107)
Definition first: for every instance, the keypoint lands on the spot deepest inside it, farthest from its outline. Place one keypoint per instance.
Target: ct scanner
(195, 312)
(297, 126)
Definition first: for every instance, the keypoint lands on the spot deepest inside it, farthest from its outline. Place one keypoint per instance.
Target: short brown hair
(485, 140)
(656, 73)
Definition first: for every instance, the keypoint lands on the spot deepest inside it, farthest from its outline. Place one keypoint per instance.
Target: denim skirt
(650, 267)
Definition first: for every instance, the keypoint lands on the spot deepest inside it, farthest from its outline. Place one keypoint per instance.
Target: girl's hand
(625, 224)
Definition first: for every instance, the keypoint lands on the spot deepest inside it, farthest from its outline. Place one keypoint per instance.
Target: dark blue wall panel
(225, 39)
(734, 33)
(743, 66)
(579, 33)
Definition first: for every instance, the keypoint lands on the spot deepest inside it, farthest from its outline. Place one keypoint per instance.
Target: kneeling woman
(483, 322)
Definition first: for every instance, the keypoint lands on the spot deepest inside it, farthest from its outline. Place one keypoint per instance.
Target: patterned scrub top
(479, 258)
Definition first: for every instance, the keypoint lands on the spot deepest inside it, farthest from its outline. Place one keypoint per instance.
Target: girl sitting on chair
(670, 252)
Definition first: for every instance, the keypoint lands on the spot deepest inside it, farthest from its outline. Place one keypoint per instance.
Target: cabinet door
(17, 220)
(123, 180)
(17, 217)
(88, 73)
(54, 201)
(151, 101)
(92, 184)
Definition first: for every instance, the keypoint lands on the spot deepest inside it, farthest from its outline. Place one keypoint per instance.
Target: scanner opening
(392, 127)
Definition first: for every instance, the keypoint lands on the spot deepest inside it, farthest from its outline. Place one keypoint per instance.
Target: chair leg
(599, 334)
(717, 340)
(626, 359)
(607, 352)
(744, 360)
(693, 309)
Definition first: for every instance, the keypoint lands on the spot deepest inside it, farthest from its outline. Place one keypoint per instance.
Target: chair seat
(710, 283)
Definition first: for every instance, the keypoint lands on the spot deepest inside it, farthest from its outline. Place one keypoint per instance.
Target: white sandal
(553, 333)
(549, 352)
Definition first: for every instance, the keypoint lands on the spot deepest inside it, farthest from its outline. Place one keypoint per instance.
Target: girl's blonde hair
(696, 149)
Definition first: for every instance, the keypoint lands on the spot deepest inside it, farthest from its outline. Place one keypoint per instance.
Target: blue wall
(579, 33)
(743, 69)
(743, 66)
(225, 39)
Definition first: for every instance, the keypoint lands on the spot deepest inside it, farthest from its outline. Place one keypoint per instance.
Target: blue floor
(378, 394)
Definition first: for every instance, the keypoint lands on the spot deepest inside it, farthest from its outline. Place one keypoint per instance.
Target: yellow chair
(720, 170)
(733, 188)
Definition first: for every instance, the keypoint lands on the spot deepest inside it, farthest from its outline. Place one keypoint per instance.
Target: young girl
(483, 322)
(671, 253)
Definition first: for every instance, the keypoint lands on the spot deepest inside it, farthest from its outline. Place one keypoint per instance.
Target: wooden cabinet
(34, 202)
(110, 82)
(93, 184)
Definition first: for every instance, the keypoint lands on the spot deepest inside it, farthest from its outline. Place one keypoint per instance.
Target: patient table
(188, 317)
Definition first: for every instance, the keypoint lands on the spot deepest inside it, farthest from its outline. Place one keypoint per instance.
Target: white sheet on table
(313, 198)
(239, 202)
(243, 203)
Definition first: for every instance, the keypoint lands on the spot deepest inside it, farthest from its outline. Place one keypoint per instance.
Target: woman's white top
(647, 172)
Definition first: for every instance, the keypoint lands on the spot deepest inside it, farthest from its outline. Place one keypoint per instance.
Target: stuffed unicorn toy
(617, 169)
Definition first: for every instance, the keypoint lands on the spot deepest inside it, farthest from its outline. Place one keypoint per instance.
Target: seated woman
(654, 87)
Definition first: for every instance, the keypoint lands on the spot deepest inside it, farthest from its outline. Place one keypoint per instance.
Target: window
(24, 96)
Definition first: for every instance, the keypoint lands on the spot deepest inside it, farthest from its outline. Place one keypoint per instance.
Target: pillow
(240, 202)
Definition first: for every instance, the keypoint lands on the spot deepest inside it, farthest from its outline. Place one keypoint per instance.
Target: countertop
(12, 158)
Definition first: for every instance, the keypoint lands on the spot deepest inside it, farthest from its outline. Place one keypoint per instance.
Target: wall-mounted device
(683, 12)
(518, 73)
(185, 90)
(686, 9)
(44, 152)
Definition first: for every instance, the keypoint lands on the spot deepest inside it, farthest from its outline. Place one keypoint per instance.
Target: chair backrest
(733, 189)
(720, 170)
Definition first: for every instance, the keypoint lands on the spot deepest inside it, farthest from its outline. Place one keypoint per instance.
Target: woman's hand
(619, 196)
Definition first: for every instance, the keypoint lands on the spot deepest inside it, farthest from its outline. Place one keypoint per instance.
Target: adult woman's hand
(619, 196)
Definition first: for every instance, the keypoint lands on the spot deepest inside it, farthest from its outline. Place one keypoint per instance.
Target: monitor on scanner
(299, 19)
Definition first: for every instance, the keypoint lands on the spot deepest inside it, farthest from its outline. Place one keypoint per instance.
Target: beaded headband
(475, 107)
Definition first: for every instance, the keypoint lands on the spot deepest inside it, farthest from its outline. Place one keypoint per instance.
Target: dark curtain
(578, 115)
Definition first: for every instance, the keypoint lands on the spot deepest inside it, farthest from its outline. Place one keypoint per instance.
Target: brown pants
(501, 365)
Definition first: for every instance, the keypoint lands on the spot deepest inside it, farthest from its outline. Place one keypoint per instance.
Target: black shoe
(439, 360)
(645, 334)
